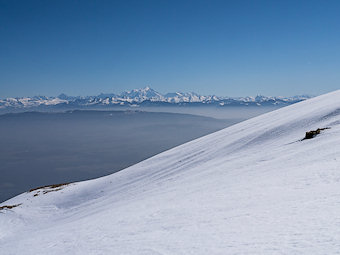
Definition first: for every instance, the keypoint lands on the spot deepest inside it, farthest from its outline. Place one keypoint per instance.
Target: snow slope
(253, 188)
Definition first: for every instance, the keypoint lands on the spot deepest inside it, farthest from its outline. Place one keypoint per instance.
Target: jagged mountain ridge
(144, 96)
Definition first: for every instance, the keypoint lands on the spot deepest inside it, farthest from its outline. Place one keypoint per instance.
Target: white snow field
(253, 188)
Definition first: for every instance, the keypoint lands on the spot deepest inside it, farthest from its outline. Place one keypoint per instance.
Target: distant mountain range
(141, 97)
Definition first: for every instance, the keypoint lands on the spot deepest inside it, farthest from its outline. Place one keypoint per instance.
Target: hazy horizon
(163, 93)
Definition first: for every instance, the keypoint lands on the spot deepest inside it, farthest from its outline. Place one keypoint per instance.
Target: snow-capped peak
(140, 96)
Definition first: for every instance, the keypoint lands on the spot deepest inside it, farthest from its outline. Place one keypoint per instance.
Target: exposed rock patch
(48, 188)
(313, 133)
(8, 206)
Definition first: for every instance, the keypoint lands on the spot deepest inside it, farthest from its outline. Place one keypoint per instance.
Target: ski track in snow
(253, 188)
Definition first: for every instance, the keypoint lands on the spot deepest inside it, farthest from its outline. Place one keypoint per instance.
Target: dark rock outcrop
(313, 133)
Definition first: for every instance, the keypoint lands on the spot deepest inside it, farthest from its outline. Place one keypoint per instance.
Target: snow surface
(253, 188)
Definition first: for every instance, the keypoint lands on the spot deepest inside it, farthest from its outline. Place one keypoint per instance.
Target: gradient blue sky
(230, 48)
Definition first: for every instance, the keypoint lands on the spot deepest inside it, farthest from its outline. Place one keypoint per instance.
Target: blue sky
(230, 48)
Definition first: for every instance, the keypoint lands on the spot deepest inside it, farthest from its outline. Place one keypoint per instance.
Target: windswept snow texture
(253, 188)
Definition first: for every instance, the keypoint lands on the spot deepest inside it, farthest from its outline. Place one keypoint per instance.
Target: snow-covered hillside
(253, 188)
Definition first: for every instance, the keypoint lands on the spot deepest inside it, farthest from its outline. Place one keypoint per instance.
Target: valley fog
(47, 148)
